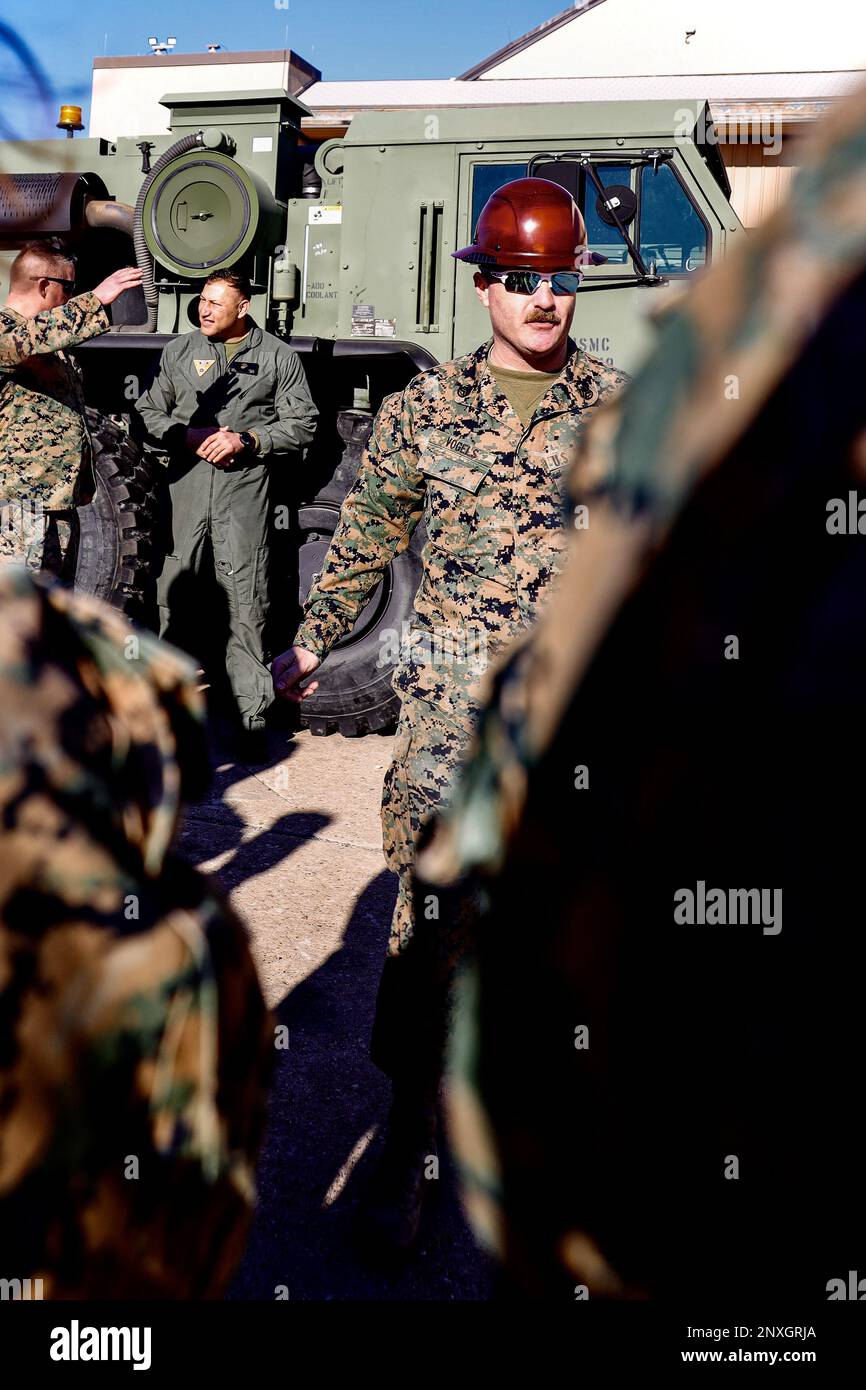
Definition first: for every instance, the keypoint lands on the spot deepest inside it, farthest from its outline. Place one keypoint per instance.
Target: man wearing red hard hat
(477, 447)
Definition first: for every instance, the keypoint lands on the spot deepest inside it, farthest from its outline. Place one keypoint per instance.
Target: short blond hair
(40, 258)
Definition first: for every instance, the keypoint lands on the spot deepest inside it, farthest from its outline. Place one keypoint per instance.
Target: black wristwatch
(249, 441)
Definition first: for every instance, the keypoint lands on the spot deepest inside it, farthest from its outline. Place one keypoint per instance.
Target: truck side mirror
(619, 197)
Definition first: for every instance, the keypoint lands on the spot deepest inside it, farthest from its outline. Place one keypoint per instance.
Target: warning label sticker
(363, 321)
(328, 212)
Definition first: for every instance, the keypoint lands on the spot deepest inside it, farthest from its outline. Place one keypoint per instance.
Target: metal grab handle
(429, 224)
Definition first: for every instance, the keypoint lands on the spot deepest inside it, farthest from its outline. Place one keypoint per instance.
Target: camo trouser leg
(427, 753)
(412, 1007)
(48, 542)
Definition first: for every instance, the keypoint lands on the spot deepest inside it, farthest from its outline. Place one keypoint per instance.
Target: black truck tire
(355, 695)
(116, 528)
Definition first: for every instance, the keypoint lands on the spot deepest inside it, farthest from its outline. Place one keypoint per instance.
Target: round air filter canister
(203, 213)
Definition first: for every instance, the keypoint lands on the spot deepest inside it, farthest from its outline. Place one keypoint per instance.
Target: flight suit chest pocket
(252, 383)
(454, 489)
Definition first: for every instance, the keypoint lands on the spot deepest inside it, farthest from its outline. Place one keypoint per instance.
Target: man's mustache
(543, 316)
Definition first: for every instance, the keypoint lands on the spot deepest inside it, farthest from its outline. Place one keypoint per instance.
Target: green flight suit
(262, 390)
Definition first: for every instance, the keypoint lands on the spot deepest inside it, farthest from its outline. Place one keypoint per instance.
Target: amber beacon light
(70, 120)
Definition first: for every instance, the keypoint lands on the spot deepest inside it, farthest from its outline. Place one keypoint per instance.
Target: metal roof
(773, 88)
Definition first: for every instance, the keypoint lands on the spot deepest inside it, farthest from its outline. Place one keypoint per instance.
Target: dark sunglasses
(527, 281)
(68, 285)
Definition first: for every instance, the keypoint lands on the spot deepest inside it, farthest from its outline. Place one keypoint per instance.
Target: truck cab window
(486, 178)
(600, 236)
(671, 232)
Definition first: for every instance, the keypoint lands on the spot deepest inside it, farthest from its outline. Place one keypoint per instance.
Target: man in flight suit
(477, 446)
(229, 403)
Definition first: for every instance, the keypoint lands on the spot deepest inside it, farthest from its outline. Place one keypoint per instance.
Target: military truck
(348, 248)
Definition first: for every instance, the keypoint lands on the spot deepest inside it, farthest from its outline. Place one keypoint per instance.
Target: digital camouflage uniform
(262, 390)
(708, 486)
(449, 449)
(45, 468)
(133, 1037)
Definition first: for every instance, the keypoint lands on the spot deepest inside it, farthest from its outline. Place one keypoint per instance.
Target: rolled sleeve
(51, 330)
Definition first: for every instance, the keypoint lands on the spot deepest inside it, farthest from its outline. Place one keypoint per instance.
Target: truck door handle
(429, 244)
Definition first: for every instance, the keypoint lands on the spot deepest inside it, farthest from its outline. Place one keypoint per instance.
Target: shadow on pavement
(327, 1099)
(212, 826)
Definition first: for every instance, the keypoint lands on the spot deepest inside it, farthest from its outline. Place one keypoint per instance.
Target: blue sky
(344, 38)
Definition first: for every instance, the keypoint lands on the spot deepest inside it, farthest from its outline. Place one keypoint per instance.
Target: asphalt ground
(296, 845)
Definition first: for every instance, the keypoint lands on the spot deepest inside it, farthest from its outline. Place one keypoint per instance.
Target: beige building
(126, 92)
(769, 69)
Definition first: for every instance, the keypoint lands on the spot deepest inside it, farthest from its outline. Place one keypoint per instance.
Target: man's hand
(219, 448)
(115, 284)
(291, 667)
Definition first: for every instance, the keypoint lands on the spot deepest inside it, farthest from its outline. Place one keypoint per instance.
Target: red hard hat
(530, 222)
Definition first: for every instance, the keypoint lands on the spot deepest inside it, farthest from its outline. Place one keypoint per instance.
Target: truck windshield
(488, 177)
(672, 233)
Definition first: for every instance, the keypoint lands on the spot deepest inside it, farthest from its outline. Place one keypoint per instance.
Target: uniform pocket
(466, 475)
(249, 571)
(172, 568)
(452, 496)
(252, 391)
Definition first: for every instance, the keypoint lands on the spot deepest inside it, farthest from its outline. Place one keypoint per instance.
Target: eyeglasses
(68, 285)
(527, 281)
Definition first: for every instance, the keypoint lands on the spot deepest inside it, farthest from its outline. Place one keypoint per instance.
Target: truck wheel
(354, 695)
(116, 527)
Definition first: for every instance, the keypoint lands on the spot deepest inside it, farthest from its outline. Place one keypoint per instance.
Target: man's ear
(243, 308)
(482, 289)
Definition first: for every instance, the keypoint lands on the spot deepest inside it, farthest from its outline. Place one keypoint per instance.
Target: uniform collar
(574, 389)
(255, 337)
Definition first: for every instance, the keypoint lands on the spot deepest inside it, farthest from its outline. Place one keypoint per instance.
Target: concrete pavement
(297, 846)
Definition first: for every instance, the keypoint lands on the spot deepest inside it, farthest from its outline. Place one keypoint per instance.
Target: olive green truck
(348, 248)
